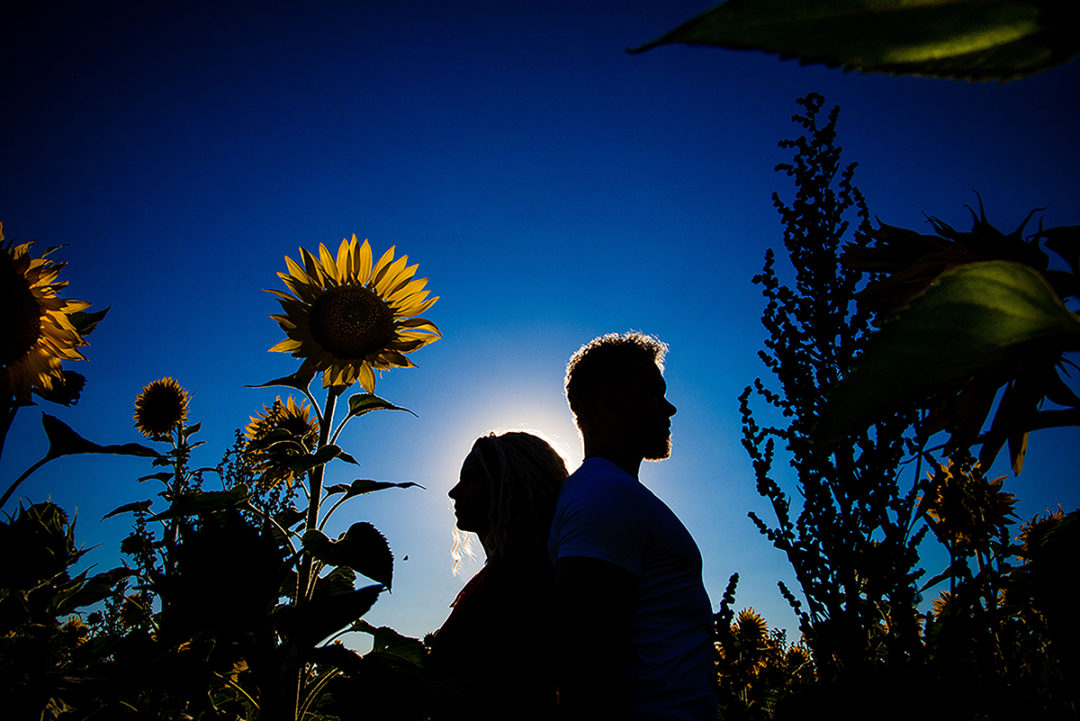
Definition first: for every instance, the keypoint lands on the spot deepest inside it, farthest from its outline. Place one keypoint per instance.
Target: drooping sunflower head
(969, 509)
(348, 316)
(279, 435)
(160, 407)
(36, 332)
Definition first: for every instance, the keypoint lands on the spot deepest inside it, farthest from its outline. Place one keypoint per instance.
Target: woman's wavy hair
(526, 474)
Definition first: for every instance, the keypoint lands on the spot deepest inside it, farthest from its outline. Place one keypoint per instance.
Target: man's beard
(658, 450)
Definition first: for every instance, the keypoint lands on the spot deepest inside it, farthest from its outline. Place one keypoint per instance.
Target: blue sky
(551, 186)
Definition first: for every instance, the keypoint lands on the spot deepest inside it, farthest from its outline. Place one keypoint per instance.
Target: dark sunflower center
(351, 322)
(20, 323)
(162, 408)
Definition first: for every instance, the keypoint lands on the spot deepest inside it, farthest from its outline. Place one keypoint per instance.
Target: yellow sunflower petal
(363, 271)
(367, 378)
(387, 276)
(386, 259)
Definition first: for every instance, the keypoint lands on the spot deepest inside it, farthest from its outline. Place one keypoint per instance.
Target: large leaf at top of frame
(962, 39)
(972, 318)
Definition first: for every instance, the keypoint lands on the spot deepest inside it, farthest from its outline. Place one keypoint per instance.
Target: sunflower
(965, 508)
(160, 407)
(36, 332)
(278, 435)
(349, 317)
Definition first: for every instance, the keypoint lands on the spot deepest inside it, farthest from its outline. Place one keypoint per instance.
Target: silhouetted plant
(756, 667)
(851, 544)
(987, 649)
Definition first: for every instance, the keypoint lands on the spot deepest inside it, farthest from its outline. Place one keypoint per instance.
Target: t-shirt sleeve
(603, 519)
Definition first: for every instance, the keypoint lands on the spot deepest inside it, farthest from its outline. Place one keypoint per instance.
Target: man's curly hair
(615, 355)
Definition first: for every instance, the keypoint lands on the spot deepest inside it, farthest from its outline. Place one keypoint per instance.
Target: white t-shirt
(605, 513)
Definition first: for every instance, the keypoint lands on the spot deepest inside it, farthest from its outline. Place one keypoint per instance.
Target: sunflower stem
(20, 479)
(6, 420)
(304, 581)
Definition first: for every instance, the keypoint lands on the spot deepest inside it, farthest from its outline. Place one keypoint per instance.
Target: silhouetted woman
(495, 653)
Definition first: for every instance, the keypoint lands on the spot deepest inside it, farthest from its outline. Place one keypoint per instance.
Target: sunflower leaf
(361, 403)
(299, 380)
(195, 504)
(971, 319)
(366, 485)
(129, 507)
(85, 322)
(98, 587)
(962, 39)
(387, 640)
(340, 580)
(63, 441)
(324, 455)
(361, 548)
(308, 624)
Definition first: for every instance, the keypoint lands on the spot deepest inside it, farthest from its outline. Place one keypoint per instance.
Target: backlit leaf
(129, 507)
(361, 403)
(327, 453)
(299, 380)
(971, 319)
(310, 623)
(963, 39)
(85, 322)
(366, 485)
(193, 504)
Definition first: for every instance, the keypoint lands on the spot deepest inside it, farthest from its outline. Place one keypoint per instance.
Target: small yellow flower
(160, 407)
(36, 333)
(348, 317)
(281, 433)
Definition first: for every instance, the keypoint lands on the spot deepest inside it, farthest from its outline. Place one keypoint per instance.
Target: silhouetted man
(634, 617)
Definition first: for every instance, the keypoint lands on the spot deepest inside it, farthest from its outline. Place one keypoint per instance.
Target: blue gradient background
(551, 186)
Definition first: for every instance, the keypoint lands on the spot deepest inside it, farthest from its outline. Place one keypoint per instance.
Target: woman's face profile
(472, 495)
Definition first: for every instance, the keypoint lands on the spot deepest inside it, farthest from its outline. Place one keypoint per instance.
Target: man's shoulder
(599, 476)
(601, 485)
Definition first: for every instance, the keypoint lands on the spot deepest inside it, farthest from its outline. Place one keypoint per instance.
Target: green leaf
(97, 588)
(387, 640)
(361, 548)
(86, 322)
(310, 623)
(361, 403)
(961, 39)
(365, 485)
(201, 502)
(129, 507)
(340, 580)
(63, 441)
(327, 453)
(299, 380)
(971, 319)
(164, 476)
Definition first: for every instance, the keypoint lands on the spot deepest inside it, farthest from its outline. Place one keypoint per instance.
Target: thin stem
(304, 577)
(5, 422)
(341, 427)
(316, 689)
(329, 513)
(20, 479)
